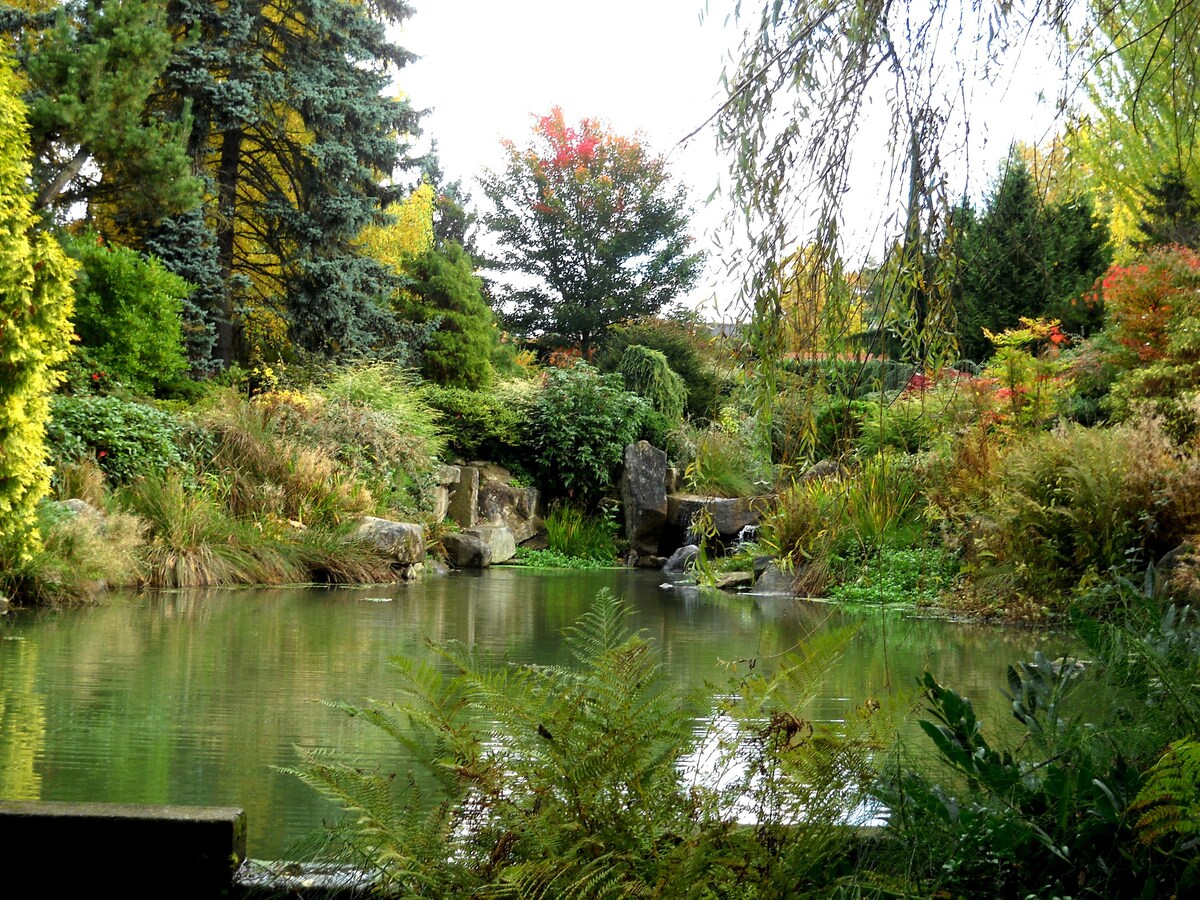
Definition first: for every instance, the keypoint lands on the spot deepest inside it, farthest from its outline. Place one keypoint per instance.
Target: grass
(571, 532)
(552, 559)
(915, 576)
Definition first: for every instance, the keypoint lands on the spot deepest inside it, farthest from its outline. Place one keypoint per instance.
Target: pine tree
(90, 70)
(445, 290)
(1020, 258)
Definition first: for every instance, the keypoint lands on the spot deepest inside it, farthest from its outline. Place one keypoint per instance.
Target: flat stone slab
(133, 850)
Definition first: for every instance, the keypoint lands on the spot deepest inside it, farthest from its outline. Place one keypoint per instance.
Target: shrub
(128, 314)
(685, 355)
(725, 465)
(127, 439)
(917, 575)
(647, 374)
(35, 303)
(1152, 311)
(490, 425)
(922, 416)
(804, 430)
(273, 457)
(581, 423)
(79, 556)
(1065, 509)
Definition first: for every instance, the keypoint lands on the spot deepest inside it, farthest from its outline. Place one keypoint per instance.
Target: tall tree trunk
(227, 184)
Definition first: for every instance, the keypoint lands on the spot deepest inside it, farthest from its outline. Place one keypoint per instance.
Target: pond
(195, 697)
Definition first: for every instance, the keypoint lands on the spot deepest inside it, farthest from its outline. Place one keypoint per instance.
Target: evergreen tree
(1172, 213)
(446, 291)
(298, 138)
(186, 247)
(91, 68)
(1019, 258)
(35, 331)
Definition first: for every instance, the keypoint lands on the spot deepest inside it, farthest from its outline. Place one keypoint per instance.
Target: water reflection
(194, 697)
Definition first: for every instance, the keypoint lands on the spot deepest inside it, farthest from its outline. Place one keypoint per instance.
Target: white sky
(650, 66)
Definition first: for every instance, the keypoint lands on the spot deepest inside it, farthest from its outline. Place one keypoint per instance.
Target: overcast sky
(650, 66)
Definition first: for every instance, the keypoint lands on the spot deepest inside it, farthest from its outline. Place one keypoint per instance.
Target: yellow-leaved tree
(35, 331)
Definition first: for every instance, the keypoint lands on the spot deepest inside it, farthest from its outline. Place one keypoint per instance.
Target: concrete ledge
(133, 850)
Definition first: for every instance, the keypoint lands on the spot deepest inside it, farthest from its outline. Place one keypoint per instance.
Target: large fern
(1168, 805)
(584, 780)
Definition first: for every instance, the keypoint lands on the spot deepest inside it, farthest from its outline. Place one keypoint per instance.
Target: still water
(195, 697)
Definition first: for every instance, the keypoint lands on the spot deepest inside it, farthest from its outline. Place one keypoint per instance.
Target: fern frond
(1168, 805)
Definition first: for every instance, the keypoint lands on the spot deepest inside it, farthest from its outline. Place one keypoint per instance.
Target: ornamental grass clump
(574, 533)
(1067, 508)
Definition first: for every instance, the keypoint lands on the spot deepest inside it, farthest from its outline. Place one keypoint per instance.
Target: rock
(499, 539)
(821, 469)
(445, 478)
(402, 541)
(490, 471)
(681, 560)
(515, 508)
(466, 551)
(1175, 574)
(644, 496)
(732, 581)
(774, 580)
(635, 560)
(729, 515)
(479, 547)
(464, 498)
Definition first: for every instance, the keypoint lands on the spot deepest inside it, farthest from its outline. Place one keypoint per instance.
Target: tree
(808, 71)
(1020, 258)
(297, 133)
(595, 224)
(446, 292)
(90, 70)
(1172, 213)
(821, 310)
(35, 331)
(1144, 88)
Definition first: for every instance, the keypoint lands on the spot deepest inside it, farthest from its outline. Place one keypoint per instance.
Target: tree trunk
(227, 184)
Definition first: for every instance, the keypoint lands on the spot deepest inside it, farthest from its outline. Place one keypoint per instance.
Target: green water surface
(194, 697)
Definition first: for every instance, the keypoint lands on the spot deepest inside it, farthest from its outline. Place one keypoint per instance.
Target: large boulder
(681, 560)
(644, 496)
(515, 508)
(479, 547)
(404, 542)
(728, 515)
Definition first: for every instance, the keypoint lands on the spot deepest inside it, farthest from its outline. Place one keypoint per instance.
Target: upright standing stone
(464, 501)
(644, 495)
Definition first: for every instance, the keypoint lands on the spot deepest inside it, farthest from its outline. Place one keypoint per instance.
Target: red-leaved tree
(594, 228)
